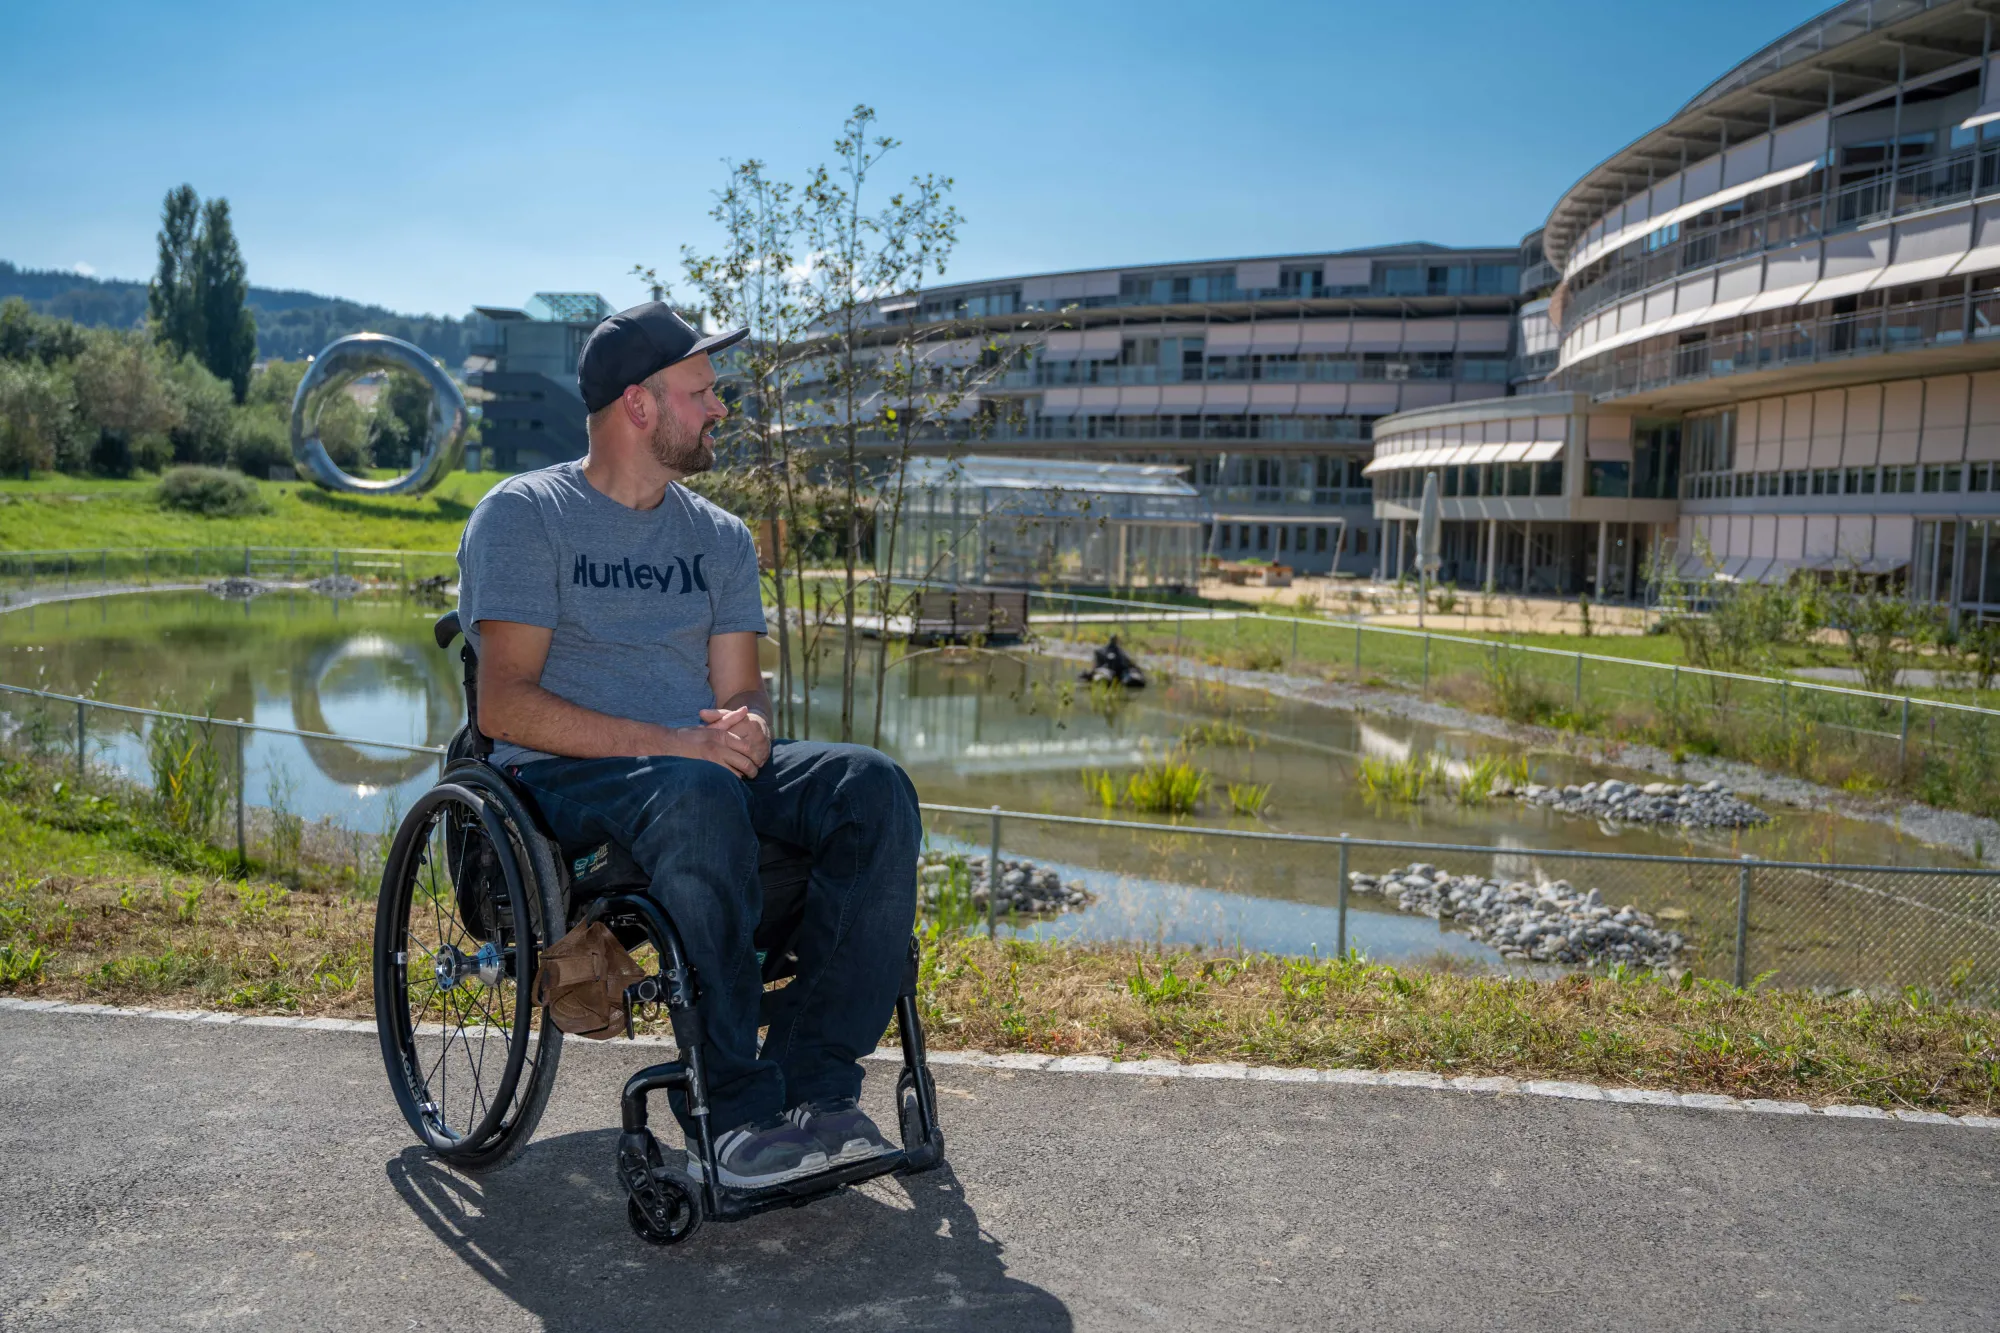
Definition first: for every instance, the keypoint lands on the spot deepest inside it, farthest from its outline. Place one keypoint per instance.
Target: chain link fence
(30, 576)
(286, 798)
(1790, 923)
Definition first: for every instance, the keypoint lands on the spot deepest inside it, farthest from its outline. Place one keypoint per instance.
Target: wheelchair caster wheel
(662, 1209)
(666, 1213)
(921, 1151)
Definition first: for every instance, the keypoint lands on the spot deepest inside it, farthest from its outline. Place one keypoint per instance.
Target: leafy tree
(170, 303)
(27, 336)
(197, 299)
(276, 384)
(221, 284)
(124, 395)
(37, 416)
(401, 420)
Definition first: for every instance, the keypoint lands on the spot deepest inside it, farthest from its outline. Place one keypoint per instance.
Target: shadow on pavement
(549, 1232)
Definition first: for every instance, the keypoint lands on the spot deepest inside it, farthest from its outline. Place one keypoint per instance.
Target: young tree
(858, 257)
(1879, 623)
(752, 283)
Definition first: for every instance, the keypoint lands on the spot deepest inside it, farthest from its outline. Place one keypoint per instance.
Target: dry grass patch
(1914, 1049)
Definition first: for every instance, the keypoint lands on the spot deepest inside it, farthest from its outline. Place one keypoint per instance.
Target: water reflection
(1008, 729)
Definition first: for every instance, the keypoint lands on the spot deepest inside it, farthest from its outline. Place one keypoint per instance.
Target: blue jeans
(693, 826)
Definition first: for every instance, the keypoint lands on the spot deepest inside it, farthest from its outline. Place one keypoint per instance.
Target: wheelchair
(473, 889)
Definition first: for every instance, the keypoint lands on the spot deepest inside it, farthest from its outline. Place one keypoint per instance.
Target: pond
(977, 729)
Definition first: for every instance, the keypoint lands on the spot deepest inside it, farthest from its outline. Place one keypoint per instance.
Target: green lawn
(74, 513)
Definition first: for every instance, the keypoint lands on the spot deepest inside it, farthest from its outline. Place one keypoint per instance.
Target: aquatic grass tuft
(1405, 781)
(1248, 798)
(1489, 773)
(1170, 785)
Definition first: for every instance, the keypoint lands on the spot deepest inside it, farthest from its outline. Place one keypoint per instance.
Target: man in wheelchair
(615, 615)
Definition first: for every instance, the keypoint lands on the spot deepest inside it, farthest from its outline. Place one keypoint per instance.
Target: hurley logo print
(646, 578)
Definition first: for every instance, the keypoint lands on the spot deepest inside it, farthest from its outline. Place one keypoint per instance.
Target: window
(1610, 479)
(1263, 536)
(1319, 540)
(1520, 478)
(1981, 480)
(1549, 477)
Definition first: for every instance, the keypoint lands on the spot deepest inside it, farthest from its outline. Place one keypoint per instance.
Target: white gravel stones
(1704, 806)
(1024, 886)
(1545, 923)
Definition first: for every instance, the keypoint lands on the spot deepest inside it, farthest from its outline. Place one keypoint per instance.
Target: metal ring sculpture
(346, 360)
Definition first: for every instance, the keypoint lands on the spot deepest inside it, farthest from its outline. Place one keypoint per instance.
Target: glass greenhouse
(1043, 522)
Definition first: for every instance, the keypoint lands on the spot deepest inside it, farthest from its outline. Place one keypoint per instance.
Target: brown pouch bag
(582, 979)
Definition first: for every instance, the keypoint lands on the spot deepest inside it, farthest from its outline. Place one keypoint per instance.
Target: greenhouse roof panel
(988, 472)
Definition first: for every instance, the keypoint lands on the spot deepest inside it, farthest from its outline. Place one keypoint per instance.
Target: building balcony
(1823, 350)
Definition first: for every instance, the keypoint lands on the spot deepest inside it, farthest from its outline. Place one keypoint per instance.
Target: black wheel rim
(457, 991)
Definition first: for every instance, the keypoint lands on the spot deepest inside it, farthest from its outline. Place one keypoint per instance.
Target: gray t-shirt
(632, 595)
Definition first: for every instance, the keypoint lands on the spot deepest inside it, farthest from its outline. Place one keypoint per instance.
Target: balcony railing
(1971, 174)
(1893, 328)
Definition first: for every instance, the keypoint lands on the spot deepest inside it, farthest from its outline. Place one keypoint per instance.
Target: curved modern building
(1771, 335)
(1263, 378)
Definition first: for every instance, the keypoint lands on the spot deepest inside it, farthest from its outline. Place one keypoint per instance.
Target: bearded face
(680, 442)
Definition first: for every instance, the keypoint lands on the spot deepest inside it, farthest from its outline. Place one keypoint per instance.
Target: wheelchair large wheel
(465, 910)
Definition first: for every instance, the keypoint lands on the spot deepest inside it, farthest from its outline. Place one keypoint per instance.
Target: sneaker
(840, 1129)
(769, 1152)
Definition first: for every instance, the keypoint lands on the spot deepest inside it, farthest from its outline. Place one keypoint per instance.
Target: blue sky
(427, 157)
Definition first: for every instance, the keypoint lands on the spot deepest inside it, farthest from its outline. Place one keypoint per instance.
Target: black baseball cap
(636, 343)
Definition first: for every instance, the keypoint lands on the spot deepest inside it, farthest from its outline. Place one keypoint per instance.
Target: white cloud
(83, 270)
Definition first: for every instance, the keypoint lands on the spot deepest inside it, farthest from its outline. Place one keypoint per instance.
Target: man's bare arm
(514, 707)
(738, 683)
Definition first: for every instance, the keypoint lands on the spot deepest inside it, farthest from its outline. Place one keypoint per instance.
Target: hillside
(290, 324)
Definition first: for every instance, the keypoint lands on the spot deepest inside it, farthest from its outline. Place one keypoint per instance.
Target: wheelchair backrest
(470, 739)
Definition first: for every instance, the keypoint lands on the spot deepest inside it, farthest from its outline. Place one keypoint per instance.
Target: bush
(212, 492)
(202, 436)
(262, 442)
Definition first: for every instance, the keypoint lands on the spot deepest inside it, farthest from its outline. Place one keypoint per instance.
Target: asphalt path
(179, 1175)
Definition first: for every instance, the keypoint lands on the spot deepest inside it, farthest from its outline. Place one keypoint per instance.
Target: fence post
(993, 878)
(1340, 905)
(1785, 707)
(1357, 649)
(1178, 618)
(82, 740)
(1743, 921)
(1294, 664)
(242, 780)
(1579, 686)
(246, 562)
(1427, 665)
(1903, 744)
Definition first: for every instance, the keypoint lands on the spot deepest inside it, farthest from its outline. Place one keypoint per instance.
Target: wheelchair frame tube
(687, 1033)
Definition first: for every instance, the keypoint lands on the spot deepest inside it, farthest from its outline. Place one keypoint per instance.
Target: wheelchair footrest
(734, 1203)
